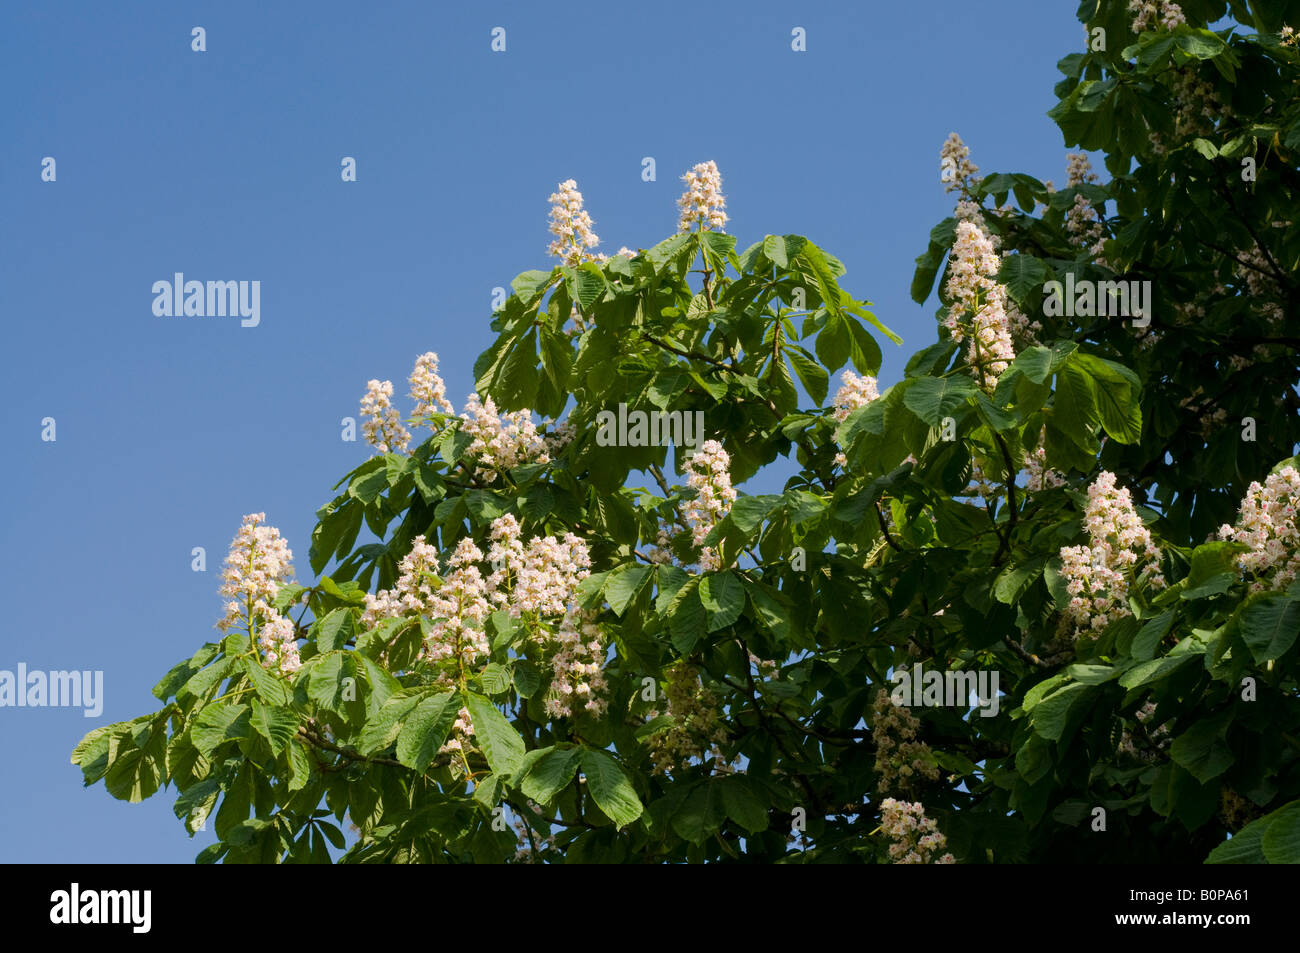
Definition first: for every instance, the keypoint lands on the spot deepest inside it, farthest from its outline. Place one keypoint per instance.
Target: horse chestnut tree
(1081, 498)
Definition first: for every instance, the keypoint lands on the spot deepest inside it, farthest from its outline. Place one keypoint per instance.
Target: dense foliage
(566, 646)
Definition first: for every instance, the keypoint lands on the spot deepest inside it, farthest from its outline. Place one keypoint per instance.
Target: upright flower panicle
(1002, 315)
(1082, 223)
(854, 392)
(708, 473)
(457, 605)
(258, 564)
(901, 760)
(538, 578)
(1267, 524)
(1254, 272)
(1151, 14)
(702, 203)
(571, 226)
(695, 726)
(1078, 170)
(383, 426)
(412, 594)
(954, 159)
(973, 212)
(916, 838)
(1039, 476)
(501, 441)
(577, 668)
(980, 307)
(536, 581)
(1120, 551)
(428, 390)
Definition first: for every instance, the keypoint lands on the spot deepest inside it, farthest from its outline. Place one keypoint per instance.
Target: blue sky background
(225, 165)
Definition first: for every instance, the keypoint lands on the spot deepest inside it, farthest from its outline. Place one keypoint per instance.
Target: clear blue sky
(225, 165)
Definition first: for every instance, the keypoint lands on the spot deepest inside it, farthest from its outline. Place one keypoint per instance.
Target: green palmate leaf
(91, 753)
(506, 629)
(184, 763)
(487, 791)
(669, 249)
(931, 361)
(934, 398)
(623, 584)
(181, 673)
(550, 773)
(591, 590)
(749, 512)
(557, 358)
(589, 284)
(774, 616)
(1050, 716)
(276, 724)
(382, 728)
(994, 416)
(775, 248)
(742, 805)
(668, 582)
(1151, 635)
(1212, 559)
(218, 723)
(528, 284)
(527, 679)
(942, 237)
(609, 787)
(1203, 748)
(723, 598)
(720, 244)
(204, 680)
(330, 680)
(1154, 670)
(780, 386)
(1075, 409)
(1022, 274)
(196, 804)
(269, 688)
(382, 685)
(136, 760)
(1245, 847)
(812, 375)
(425, 730)
(1269, 625)
(863, 349)
(701, 814)
(348, 592)
(368, 486)
(1281, 839)
(1038, 363)
(334, 630)
(495, 679)
(1014, 580)
(517, 380)
(686, 616)
(833, 342)
(814, 263)
(1116, 397)
(500, 741)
